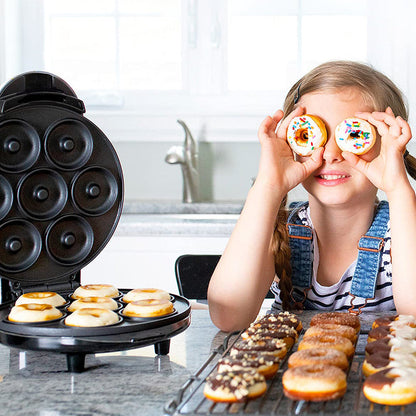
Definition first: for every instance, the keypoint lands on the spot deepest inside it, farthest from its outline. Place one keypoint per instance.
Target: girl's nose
(332, 153)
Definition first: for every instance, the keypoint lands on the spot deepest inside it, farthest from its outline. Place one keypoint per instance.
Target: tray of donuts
(389, 366)
(94, 309)
(280, 364)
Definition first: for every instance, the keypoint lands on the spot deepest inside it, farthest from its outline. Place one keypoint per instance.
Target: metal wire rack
(190, 400)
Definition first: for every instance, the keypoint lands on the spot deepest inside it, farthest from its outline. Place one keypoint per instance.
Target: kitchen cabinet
(146, 261)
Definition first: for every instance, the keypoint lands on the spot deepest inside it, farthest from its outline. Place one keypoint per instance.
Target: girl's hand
(386, 170)
(278, 168)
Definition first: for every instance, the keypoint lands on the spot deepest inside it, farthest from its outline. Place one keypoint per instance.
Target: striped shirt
(337, 297)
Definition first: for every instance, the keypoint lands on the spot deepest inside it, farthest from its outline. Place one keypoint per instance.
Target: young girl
(355, 253)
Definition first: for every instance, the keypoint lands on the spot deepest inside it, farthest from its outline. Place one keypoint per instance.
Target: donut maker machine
(61, 196)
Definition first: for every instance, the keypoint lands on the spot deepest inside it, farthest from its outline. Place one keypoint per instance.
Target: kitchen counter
(133, 382)
(171, 218)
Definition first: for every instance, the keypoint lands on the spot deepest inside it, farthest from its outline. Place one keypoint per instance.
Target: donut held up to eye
(305, 134)
(355, 135)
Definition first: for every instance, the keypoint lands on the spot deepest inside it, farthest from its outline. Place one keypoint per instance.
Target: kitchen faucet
(187, 156)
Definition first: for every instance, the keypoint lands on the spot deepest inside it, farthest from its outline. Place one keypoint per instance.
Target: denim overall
(369, 256)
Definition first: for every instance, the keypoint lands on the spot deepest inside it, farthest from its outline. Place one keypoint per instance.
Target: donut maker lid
(61, 196)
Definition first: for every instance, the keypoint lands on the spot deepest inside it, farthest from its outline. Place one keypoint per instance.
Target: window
(221, 65)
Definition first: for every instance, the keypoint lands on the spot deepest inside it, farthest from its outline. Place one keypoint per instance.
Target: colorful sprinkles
(354, 135)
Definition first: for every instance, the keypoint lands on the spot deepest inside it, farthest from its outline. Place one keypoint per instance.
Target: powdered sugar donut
(355, 135)
(306, 133)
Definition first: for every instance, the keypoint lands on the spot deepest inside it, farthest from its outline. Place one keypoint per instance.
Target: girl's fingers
(355, 161)
(281, 131)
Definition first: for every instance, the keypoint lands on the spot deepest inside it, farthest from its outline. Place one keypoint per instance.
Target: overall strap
(369, 255)
(301, 247)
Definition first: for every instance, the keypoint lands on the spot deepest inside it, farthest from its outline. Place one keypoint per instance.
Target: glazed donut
(328, 341)
(92, 317)
(313, 356)
(314, 382)
(273, 346)
(48, 298)
(234, 386)
(272, 320)
(34, 312)
(332, 329)
(93, 302)
(265, 364)
(141, 294)
(148, 308)
(392, 386)
(97, 290)
(286, 333)
(306, 133)
(339, 318)
(355, 135)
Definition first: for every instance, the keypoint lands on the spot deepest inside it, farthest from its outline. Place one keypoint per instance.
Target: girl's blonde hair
(379, 91)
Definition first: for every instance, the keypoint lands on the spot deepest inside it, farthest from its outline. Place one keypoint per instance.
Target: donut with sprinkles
(355, 135)
(305, 134)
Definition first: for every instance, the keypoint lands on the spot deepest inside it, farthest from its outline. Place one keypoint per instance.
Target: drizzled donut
(266, 364)
(392, 386)
(314, 382)
(273, 346)
(305, 134)
(355, 135)
(234, 386)
(49, 298)
(286, 333)
(272, 320)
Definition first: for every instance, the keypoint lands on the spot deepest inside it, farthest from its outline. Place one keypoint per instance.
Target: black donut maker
(61, 197)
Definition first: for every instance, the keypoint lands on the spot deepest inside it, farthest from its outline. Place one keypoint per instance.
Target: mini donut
(273, 346)
(93, 302)
(286, 333)
(314, 382)
(405, 332)
(313, 356)
(339, 318)
(355, 135)
(306, 133)
(148, 308)
(392, 386)
(141, 294)
(234, 386)
(95, 290)
(395, 321)
(277, 319)
(265, 364)
(376, 362)
(34, 312)
(92, 317)
(328, 341)
(49, 298)
(332, 329)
